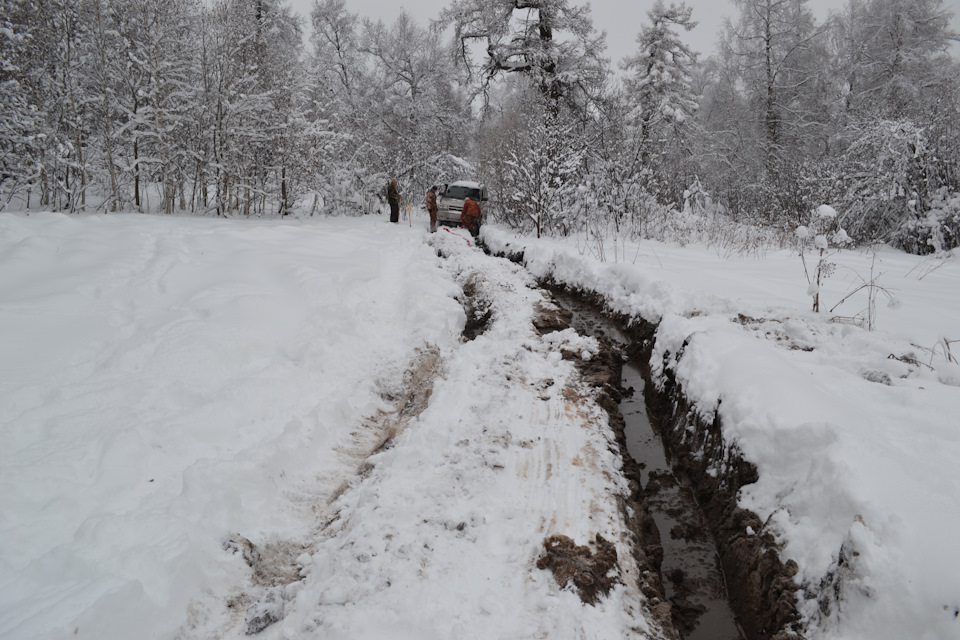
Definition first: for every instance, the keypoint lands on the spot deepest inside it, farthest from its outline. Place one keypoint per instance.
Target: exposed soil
(476, 306)
(602, 374)
(408, 397)
(590, 571)
(274, 566)
(761, 589)
(274, 563)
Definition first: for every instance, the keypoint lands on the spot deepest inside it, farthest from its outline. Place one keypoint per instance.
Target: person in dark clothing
(432, 208)
(393, 197)
(470, 218)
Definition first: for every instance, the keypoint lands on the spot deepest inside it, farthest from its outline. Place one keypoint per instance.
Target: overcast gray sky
(621, 19)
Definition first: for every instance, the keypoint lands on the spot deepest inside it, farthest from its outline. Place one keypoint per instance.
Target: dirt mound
(274, 563)
(549, 318)
(592, 573)
(476, 304)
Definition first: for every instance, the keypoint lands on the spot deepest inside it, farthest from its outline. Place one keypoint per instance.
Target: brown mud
(757, 585)
(588, 569)
(602, 374)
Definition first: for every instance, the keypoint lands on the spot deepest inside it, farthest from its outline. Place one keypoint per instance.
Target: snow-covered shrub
(820, 234)
(626, 210)
(730, 238)
(887, 174)
(620, 193)
(704, 221)
(936, 230)
(667, 224)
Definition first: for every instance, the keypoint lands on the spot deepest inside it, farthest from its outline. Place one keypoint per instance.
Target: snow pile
(855, 434)
(167, 382)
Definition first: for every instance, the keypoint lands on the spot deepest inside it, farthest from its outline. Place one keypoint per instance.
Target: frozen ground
(171, 388)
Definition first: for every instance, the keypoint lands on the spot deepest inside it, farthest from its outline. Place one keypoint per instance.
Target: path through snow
(195, 410)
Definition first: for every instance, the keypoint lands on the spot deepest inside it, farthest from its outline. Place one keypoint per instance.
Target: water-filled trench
(691, 574)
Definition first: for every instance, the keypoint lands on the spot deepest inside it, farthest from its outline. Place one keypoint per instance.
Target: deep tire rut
(761, 588)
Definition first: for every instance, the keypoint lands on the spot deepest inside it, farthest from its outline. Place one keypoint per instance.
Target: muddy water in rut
(692, 578)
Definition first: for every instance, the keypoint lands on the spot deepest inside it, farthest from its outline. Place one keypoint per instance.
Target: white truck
(450, 199)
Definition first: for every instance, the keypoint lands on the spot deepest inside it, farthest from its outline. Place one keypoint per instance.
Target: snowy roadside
(854, 436)
(167, 382)
(197, 412)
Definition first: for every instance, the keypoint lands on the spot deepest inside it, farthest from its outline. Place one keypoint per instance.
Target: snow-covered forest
(224, 108)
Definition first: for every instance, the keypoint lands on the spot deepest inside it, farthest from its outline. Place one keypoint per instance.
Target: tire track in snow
(453, 514)
(488, 449)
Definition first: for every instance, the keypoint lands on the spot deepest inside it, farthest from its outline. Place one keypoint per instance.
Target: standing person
(432, 208)
(393, 197)
(470, 218)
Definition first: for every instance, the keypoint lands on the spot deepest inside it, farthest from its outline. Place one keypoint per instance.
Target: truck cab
(450, 200)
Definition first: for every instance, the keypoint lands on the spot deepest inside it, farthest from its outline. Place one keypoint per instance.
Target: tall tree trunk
(770, 115)
(74, 112)
(136, 157)
(107, 132)
(284, 205)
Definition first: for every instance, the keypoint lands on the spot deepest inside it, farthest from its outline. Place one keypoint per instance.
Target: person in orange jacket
(470, 217)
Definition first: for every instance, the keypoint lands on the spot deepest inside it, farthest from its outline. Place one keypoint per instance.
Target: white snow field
(169, 383)
(171, 387)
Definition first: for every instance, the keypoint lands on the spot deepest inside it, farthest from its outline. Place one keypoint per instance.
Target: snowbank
(166, 382)
(855, 434)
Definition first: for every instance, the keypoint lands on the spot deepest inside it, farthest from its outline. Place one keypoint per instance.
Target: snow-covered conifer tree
(659, 84)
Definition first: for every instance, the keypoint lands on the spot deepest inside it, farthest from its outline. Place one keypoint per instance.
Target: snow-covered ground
(173, 387)
(167, 381)
(856, 434)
